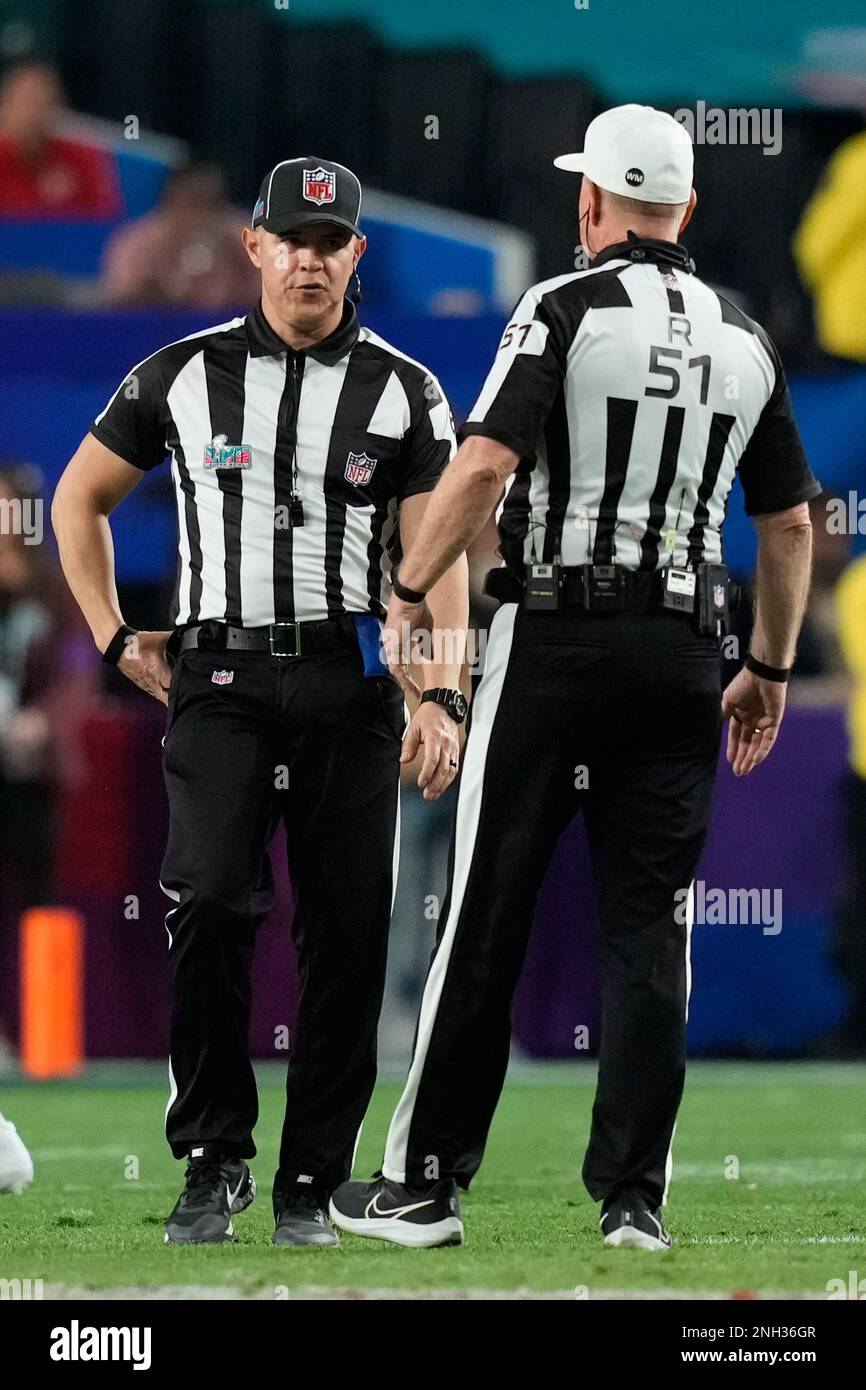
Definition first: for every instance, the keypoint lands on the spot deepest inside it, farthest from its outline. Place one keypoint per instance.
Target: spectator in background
(830, 250)
(27, 663)
(29, 669)
(42, 174)
(849, 946)
(188, 251)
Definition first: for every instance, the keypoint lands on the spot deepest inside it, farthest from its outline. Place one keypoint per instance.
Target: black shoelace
(307, 1200)
(205, 1182)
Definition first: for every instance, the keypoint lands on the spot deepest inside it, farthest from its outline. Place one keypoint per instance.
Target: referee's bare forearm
(93, 483)
(463, 499)
(448, 602)
(783, 573)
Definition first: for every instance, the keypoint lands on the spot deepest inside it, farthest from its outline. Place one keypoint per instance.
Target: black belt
(605, 589)
(277, 639)
(636, 591)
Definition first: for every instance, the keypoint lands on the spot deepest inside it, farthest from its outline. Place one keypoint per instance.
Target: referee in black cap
(303, 450)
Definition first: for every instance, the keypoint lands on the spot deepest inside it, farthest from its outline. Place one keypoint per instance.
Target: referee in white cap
(621, 404)
(304, 449)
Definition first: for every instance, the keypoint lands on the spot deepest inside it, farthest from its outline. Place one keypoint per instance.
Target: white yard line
(769, 1242)
(91, 1151)
(804, 1169)
(323, 1292)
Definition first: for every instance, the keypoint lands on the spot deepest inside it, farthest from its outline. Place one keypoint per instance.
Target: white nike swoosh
(232, 1195)
(374, 1209)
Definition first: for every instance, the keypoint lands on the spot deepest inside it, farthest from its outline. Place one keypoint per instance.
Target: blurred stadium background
(169, 113)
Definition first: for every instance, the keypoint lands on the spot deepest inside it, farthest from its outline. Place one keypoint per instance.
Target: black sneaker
(302, 1220)
(384, 1210)
(627, 1218)
(216, 1189)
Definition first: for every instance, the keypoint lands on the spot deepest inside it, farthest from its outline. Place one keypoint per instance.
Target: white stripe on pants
(690, 921)
(484, 709)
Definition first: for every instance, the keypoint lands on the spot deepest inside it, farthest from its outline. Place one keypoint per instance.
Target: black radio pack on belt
(678, 589)
(543, 593)
(603, 588)
(714, 599)
(704, 592)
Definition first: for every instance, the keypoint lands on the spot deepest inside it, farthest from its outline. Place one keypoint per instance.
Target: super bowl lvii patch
(220, 454)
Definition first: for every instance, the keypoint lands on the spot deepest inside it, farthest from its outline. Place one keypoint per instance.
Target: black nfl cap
(299, 191)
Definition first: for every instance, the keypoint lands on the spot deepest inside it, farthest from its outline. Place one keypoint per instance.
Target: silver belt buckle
(279, 642)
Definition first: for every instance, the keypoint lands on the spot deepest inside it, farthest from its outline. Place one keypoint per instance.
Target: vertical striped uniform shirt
(633, 394)
(358, 424)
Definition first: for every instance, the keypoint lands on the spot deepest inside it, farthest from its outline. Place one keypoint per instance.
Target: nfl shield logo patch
(320, 186)
(719, 595)
(359, 469)
(222, 677)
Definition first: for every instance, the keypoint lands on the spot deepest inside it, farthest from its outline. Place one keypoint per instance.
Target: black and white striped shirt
(633, 393)
(359, 425)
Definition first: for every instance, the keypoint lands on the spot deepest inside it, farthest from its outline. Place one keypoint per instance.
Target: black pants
(635, 701)
(334, 735)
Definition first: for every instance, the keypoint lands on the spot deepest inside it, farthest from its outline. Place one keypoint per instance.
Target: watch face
(459, 704)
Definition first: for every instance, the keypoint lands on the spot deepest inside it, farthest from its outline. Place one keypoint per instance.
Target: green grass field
(791, 1221)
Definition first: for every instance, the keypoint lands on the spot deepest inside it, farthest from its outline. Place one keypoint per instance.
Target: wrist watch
(454, 702)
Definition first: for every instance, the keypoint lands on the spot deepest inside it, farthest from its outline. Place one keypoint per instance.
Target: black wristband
(117, 646)
(767, 673)
(407, 595)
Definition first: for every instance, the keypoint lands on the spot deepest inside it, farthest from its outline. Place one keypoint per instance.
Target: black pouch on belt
(172, 646)
(713, 610)
(503, 585)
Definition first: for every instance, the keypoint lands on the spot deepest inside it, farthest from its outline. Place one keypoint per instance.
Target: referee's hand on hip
(143, 661)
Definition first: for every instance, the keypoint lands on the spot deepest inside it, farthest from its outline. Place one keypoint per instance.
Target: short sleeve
(773, 469)
(132, 425)
(429, 443)
(526, 376)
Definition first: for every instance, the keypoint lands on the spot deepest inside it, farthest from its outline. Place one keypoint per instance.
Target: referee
(622, 402)
(303, 449)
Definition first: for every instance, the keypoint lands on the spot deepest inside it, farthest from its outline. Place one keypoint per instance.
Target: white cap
(638, 152)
